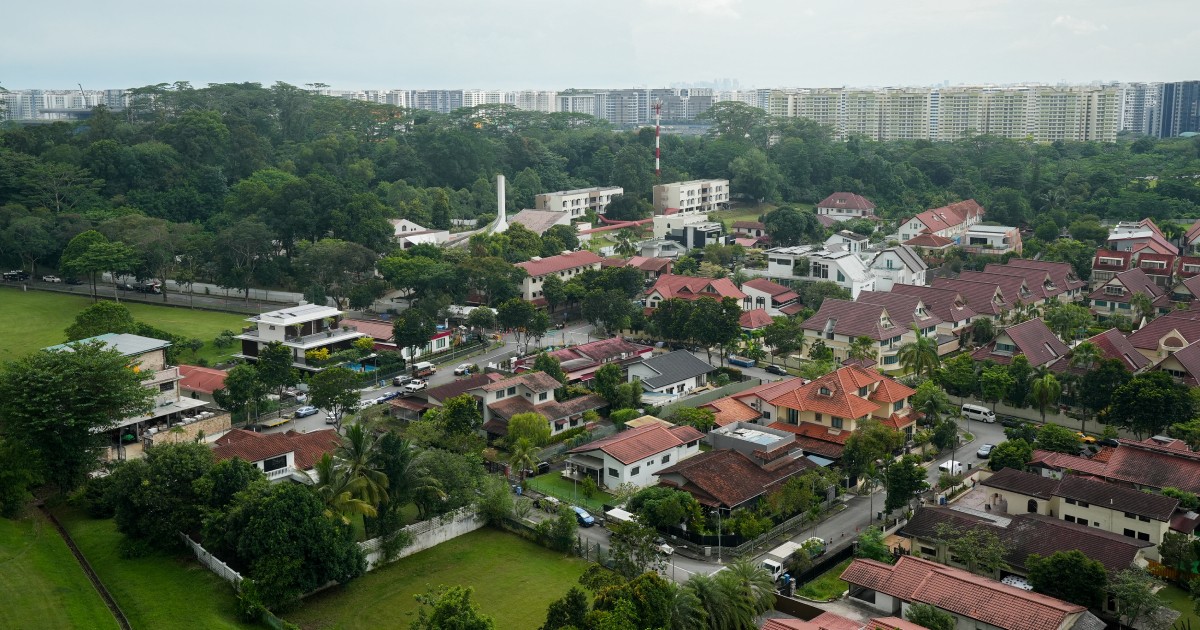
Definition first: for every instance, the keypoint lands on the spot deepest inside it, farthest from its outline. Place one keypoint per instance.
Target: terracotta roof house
(1022, 535)
(753, 404)
(1015, 288)
(1158, 267)
(1167, 333)
(581, 362)
(634, 455)
(753, 229)
(949, 222)
(929, 243)
(1153, 464)
(985, 298)
(1182, 364)
(727, 479)
(1189, 266)
(949, 305)
(839, 322)
(1112, 345)
(1115, 296)
(1191, 239)
(279, 455)
(1114, 508)
(888, 588)
(771, 296)
(200, 382)
(1108, 263)
(651, 267)
(531, 392)
(1031, 338)
(690, 288)
(843, 206)
(1040, 282)
(755, 320)
(565, 266)
(1182, 294)
(830, 408)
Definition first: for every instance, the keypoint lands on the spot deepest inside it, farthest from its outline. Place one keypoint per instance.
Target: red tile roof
(842, 400)
(755, 319)
(256, 447)
(1013, 287)
(846, 200)
(901, 308)
(947, 304)
(201, 379)
(770, 390)
(929, 241)
(1189, 358)
(594, 353)
(378, 330)
(984, 298)
(1173, 330)
(535, 381)
(635, 444)
(1192, 232)
(749, 225)
(728, 478)
(962, 593)
(461, 386)
(1135, 281)
(1062, 273)
(949, 216)
(792, 309)
(729, 410)
(1126, 259)
(890, 391)
(766, 286)
(1139, 463)
(561, 262)
(692, 288)
(853, 319)
(1112, 345)
(1032, 338)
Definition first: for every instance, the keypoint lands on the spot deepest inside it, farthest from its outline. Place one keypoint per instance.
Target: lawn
(554, 485)
(826, 586)
(43, 585)
(158, 591)
(44, 315)
(514, 581)
(1178, 599)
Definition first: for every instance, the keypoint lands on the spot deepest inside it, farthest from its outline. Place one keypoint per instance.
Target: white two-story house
(634, 455)
(302, 329)
(810, 264)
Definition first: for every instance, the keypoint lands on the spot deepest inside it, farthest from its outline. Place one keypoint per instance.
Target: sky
(558, 44)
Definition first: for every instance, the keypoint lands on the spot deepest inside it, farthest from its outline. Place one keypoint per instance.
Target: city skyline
(545, 45)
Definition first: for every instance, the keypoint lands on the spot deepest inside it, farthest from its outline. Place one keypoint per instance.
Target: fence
(425, 534)
(709, 396)
(214, 564)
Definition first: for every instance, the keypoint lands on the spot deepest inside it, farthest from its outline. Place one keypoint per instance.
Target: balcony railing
(170, 373)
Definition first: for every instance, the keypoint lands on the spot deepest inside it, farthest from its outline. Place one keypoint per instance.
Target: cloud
(707, 8)
(1078, 26)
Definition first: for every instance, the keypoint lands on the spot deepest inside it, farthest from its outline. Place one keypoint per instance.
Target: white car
(51, 279)
(415, 385)
(462, 369)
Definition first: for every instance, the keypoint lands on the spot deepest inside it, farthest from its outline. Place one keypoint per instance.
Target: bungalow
(382, 333)
(532, 392)
(581, 362)
(412, 407)
(844, 206)
(1031, 338)
(749, 229)
(973, 600)
(691, 288)
(775, 298)
(726, 479)
(670, 375)
(897, 265)
(565, 266)
(753, 404)
(279, 455)
(634, 455)
(1183, 365)
(302, 329)
(949, 222)
(839, 322)
(1116, 295)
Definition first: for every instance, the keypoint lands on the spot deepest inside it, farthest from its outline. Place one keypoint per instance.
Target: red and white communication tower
(657, 130)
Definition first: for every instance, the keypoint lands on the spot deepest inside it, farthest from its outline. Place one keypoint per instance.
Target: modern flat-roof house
(692, 288)
(847, 241)
(843, 206)
(148, 357)
(810, 264)
(671, 375)
(301, 329)
(1110, 507)
(634, 455)
(580, 362)
(897, 265)
(281, 456)
(565, 266)
(948, 222)
(974, 601)
(1031, 338)
(578, 202)
(992, 239)
(697, 195)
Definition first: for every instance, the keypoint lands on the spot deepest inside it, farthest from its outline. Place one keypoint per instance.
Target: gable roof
(766, 286)
(1112, 345)
(1014, 287)
(461, 386)
(593, 353)
(1189, 358)
(1145, 464)
(561, 262)
(256, 447)
(554, 411)
(1125, 258)
(953, 215)
(674, 367)
(901, 308)
(983, 297)
(843, 399)
(1184, 324)
(947, 304)
(1135, 281)
(728, 478)
(846, 200)
(1032, 338)
(536, 381)
(853, 319)
(749, 225)
(1062, 273)
(200, 379)
(963, 593)
(1022, 482)
(637, 444)
(1098, 493)
(1039, 281)
(728, 410)
(906, 254)
(755, 319)
(929, 241)
(693, 288)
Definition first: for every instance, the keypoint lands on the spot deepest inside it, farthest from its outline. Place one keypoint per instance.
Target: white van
(978, 413)
(951, 466)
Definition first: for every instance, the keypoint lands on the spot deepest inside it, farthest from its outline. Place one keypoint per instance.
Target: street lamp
(718, 513)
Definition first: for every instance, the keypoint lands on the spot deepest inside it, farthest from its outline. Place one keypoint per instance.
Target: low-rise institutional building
(697, 195)
(578, 202)
(565, 266)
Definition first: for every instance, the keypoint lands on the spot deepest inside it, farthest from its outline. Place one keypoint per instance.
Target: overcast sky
(556, 44)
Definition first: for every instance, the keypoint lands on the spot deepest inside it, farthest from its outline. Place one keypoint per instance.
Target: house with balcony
(772, 297)
(301, 329)
(1112, 346)
(829, 409)
(844, 206)
(806, 263)
(1115, 297)
(148, 358)
(847, 241)
(280, 456)
(839, 322)
(698, 195)
(531, 392)
(1031, 338)
(897, 265)
(909, 311)
(633, 455)
(992, 239)
(948, 222)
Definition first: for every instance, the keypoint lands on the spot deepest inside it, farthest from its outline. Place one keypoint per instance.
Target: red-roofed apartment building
(975, 601)
(634, 455)
(949, 222)
(830, 408)
(565, 266)
(691, 288)
(843, 206)
(279, 455)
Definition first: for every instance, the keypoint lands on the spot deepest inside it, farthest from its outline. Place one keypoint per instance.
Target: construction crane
(82, 96)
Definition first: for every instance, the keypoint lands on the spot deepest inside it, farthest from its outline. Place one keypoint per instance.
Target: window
(166, 387)
(1111, 290)
(275, 463)
(542, 396)
(1084, 504)
(500, 394)
(1143, 536)
(1130, 533)
(891, 359)
(862, 391)
(1031, 507)
(898, 405)
(835, 422)
(1144, 519)
(693, 444)
(819, 417)
(635, 471)
(1071, 519)
(927, 551)
(793, 416)
(1005, 347)
(1070, 501)
(512, 391)
(1130, 515)
(824, 391)
(666, 459)
(1100, 303)
(840, 277)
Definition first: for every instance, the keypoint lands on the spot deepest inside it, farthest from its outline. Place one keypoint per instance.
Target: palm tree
(357, 454)
(713, 600)
(919, 356)
(1085, 356)
(862, 349)
(687, 611)
(417, 484)
(1141, 303)
(523, 456)
(1045, 391)
(754, 584)
(625, 245)
(339, 492)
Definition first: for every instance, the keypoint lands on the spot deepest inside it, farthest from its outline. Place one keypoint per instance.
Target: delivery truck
(776, 559)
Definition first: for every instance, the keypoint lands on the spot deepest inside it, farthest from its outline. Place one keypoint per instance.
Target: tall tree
(1045, 392)
(411, 330)
(1069, 576)
(274, 367)
(335, 390)
(1149, 403)
(920, 356)
(905, 479)
(789, 226)
(101, 318)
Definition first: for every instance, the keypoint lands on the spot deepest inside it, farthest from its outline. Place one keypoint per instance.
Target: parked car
(399, 381)
(1108, 442)
(985, 451)
(390, 396)
(148, 287)
(775, 369)
(51, 279)
(125, 286)
(582, 517)
(1011, 422)
(463, 369)
(16, 275)
(305, 411)
(661, 546)
(415, 385)
(74, 281)
(1085, 438)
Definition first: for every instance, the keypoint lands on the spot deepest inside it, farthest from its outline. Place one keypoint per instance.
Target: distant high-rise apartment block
(1138, 104)
(697, 195)
(1178, 109)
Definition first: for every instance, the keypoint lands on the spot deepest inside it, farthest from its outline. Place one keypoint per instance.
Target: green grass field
(514, 581)
(564, 489)
(827, 585)
(1178, 599)
(159, 591)
(42, 584)
(44, 315)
